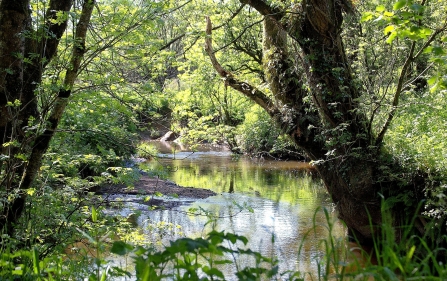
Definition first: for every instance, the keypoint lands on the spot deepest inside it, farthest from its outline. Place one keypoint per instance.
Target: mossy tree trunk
(315, 100)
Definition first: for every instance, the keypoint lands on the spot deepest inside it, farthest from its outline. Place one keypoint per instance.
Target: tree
(26, 51)
(315, 96)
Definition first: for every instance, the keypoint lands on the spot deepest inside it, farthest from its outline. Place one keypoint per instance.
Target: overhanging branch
(245, 88)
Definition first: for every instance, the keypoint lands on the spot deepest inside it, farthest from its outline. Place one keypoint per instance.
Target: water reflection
(284, 200)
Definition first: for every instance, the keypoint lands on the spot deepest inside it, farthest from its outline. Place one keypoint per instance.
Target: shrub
(146, 150)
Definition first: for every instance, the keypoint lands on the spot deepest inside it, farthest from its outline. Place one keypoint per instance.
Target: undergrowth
(205, 258)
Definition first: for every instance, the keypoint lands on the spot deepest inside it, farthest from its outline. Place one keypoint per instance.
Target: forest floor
(162, 193)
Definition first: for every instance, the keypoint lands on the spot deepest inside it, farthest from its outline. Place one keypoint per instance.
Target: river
(281, 199)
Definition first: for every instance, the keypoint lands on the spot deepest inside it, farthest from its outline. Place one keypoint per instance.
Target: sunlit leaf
(399, 4)
(94, 214)
(158, 194)
(380, 8)
(31, 191)
(388, 29)
(367, 17)
(390, 38)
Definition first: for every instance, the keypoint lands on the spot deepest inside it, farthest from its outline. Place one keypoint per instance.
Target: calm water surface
(286, 204)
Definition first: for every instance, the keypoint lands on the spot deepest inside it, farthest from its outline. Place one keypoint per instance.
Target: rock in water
(169, 136)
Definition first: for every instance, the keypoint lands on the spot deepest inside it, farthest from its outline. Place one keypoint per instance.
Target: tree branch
(400, 84)
(264, 9)
(231, 18)
(216, 27)
(236, 39)
(54, 28)
(275, 15)
(42, 141)
(251, 92)
(167, 45)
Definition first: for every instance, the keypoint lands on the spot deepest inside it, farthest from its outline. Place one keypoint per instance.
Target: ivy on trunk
(315, 100)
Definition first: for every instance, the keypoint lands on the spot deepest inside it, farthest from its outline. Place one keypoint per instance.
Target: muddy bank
(148, 186)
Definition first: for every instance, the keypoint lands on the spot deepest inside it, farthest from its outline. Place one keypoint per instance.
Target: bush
(146, 150)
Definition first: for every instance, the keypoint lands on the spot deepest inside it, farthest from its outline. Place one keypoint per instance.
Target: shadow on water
(281, 199)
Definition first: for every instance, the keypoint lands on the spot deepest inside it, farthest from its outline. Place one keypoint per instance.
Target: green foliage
(133, 74)
(418, 134)
(93, 137)
(97, 127)
(197, 259)
(26, 265)
(205, 258)
(404, 21)
(413, 257)
(416, 140)
(204, 110)
(81, 255)
(146, 150)
(259, 136)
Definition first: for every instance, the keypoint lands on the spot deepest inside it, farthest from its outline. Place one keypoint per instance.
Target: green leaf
(104, 275)
(380, 8)
(94, 214)
(390, 38)
(158, 194)
(410, 253)
(418, 8)
(367, 17)
(213, 272)
(399, 4)
(21, 156)
(121, 248)
(36, 267)
(425, 32)
(432, 80)
(438, 51)
(388, 29)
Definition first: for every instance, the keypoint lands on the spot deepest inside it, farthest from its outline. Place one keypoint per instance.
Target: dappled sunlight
(279, 206)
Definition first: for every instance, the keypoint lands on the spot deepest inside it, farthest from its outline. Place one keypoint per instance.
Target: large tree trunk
(14, 20)
(332, 130)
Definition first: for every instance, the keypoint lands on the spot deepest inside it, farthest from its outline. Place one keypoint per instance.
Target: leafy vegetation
(82, 80)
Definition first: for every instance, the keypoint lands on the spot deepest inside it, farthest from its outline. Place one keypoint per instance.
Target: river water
(280, 200)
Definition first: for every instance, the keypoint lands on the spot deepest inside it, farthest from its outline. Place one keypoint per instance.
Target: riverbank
(156, 188)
